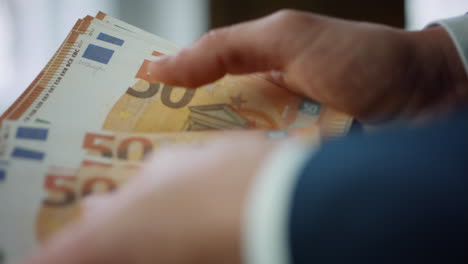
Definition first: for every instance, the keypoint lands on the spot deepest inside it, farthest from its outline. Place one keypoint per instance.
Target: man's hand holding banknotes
(191, 205)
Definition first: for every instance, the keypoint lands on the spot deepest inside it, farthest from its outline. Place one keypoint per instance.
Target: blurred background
(31, 30)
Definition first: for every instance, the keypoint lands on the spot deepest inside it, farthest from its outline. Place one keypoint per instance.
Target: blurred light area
(180, 21)
(32, 30)
(6, 56)
(420, 13)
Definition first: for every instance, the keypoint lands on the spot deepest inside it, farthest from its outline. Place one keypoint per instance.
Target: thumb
(258, 46)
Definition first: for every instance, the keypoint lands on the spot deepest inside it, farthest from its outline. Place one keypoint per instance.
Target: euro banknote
(46, 171)
(38, 200)
(95, 113)
(100, 79)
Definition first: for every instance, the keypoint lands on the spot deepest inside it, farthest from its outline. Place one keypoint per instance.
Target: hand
(186, 206)
(369, 71)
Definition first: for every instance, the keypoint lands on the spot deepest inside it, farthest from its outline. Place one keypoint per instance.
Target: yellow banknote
(101, 78)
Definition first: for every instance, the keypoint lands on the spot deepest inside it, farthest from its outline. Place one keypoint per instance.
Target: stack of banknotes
(86, 123)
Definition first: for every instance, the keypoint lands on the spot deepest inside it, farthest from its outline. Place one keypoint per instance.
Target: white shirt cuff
(457, 27)
(266, 234)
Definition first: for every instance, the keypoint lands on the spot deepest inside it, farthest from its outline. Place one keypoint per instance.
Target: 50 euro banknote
(95, 113)
(66, 145)
(39, 200)
(42, 186)
(101, 79)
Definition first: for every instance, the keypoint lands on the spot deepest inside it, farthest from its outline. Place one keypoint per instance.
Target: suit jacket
(395, 197)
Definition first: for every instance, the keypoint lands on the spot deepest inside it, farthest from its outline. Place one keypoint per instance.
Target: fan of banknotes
(86, 123)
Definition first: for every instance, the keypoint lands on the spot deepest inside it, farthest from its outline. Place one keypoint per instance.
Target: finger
(258, 46)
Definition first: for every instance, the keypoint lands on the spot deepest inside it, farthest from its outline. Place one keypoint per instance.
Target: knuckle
(287, 18)
(287, 15)
(214, 35)
(217, 43)
(184, 53)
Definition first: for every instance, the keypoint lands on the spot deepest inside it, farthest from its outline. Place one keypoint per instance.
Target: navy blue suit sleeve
(393, 197)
